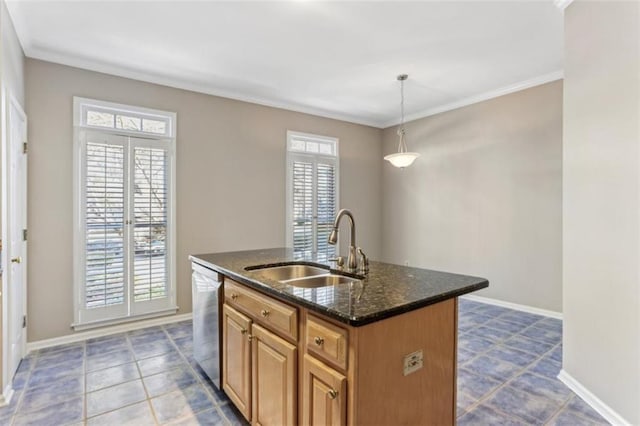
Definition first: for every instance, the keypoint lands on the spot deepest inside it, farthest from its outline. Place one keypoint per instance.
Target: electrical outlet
(413, 362)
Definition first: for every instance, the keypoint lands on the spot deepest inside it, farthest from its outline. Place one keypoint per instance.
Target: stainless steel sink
(322, 281)
(290, 272)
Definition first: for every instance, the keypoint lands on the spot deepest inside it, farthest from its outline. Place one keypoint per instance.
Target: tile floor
(508, 362)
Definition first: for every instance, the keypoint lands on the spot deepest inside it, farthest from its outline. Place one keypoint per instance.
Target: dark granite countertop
(388, 289)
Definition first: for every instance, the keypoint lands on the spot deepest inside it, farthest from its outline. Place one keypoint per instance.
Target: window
(124, 238)
(312, 194)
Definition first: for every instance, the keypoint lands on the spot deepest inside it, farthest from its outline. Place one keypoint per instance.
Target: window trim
(169, 143)
(290, 157)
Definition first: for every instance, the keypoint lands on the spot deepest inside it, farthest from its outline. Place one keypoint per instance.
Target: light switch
(413, 362)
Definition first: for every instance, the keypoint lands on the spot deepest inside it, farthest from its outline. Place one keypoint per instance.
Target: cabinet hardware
(234, 296)
(265, 313)
(244, 331)
(250, 337)
(319, 341)
(333, 394)
(16, 260)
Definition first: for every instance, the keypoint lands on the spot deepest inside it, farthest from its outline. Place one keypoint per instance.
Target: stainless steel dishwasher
(207, 300)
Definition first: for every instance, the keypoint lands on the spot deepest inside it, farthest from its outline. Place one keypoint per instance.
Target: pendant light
(402, 158)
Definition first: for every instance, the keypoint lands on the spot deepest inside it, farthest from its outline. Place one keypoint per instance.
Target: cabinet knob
(250, 337)
(234, 296)
(16, 260)
(265, 313)
(333, 394)
(244, 331)
(319, 340)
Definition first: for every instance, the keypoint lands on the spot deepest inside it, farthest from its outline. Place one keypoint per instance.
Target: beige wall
(485, 197)
(230, 178)
(601, 218)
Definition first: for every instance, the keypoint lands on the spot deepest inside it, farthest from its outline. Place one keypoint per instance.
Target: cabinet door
(236, 359)
(324, 395)
(274, 379)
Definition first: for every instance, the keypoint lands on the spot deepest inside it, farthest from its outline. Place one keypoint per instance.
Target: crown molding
(536, 81)
(115, 70)
(105, 68)
(562, 4)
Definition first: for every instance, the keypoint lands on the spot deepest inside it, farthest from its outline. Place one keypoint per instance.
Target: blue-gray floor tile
(179, 329)
(556, 353)
(115, 397)
(233, 415)
(487, 416)
(493, 368)
(62, 390)
(577, 405)
(181, 404)
(551, 389)
(210, 417)
(492, 333)
(475, 344)
(513, 356)
(528, 345)
(70, 411)
(491, 310)
(111, 376)
(110, 359)
(103, 346)
(464, 356)
(511, 327)
(546, 335)
(547, 367)
(167, 381)
(48, 375)
(571, 418)
(475, 318)
(50, 359)
(465, 305)
(475, 385)
(523, 405)
(133, 415)
(524, 318)
(158, 364)
(148, 350)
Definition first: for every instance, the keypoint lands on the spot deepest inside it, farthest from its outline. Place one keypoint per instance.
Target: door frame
(9, 101)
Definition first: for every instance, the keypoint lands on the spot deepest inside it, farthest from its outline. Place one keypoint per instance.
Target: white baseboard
(105, 331)
(596, 403)
(7, 394)
(516, 306)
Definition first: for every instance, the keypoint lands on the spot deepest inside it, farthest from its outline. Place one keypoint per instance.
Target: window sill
(104, 323)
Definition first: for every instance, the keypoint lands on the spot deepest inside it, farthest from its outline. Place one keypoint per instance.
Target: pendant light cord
(402, 145)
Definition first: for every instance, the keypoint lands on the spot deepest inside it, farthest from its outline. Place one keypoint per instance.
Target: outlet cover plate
(413, 362)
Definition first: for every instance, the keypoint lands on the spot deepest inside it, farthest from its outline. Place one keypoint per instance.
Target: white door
(17, 224)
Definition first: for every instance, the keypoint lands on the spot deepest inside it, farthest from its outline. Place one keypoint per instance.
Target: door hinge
(24, 147)
(24, 321)
(24, 235)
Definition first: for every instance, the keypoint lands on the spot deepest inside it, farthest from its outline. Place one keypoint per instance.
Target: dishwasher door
(207, 299)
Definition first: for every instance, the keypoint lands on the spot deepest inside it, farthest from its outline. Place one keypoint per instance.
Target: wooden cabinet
(278, 357)
(258, 371)
(324, 395)
(236, 359)
(274, 379)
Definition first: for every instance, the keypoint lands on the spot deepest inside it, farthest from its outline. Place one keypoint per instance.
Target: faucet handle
(364, 262)
(339, 261)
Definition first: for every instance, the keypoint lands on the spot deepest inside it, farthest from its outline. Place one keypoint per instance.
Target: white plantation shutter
(150, 224)
(311, 194)
(326, 207)
(105, 272)
(124, 257)
(303, 207)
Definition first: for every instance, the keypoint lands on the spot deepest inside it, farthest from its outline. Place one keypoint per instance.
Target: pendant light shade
(402, 158)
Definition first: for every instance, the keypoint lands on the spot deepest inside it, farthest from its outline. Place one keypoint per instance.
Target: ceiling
(334, 59)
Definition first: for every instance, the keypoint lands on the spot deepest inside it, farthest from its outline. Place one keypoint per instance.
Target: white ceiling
(335, 59)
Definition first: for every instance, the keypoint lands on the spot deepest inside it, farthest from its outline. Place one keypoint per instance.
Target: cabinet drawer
(275, 315)
(327, 341)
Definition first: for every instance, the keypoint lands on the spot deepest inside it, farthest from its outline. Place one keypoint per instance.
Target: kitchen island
(379, 348)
